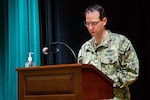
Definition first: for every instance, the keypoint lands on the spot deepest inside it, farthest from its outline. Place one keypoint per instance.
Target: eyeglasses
(87, 24)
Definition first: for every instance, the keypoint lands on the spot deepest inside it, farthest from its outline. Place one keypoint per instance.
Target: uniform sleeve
(79, 59)
(129, 69)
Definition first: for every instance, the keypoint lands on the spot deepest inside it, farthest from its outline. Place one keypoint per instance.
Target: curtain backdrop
(3, 30)
(46, 28)
(57, 27)
(21, 36)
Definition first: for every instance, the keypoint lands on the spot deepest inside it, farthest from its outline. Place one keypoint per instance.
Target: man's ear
(104, 20)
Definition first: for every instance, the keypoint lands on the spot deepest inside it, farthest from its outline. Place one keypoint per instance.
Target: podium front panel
(50, 83)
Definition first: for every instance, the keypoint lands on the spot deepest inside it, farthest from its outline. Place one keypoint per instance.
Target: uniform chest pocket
(109, 57)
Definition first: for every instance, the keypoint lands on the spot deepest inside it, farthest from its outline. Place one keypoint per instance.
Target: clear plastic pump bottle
(30, 63)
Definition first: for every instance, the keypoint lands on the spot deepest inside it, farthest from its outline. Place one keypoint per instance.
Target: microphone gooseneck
(46, 50)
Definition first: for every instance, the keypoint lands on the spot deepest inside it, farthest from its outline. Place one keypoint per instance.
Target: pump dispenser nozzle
(30, 57)
(29, 63)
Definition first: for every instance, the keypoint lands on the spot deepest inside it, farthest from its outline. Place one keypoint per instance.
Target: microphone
(53, 49)
(45, 50)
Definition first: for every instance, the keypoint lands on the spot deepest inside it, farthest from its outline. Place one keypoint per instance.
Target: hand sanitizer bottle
(29, 63)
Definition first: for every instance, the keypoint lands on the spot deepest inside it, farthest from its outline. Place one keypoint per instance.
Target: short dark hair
(98, 8)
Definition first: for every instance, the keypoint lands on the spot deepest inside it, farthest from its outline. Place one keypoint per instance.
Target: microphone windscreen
(45, 50)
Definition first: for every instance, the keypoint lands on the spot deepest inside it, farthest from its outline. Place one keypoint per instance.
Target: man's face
(94, 25)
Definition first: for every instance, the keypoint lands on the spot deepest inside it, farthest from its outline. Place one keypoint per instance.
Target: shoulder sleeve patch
(124, 46)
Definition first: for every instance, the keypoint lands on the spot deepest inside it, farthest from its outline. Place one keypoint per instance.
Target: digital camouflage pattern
(116, 58)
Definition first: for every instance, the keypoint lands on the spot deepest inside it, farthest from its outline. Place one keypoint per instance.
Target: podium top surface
(49, 67)
(73, 65)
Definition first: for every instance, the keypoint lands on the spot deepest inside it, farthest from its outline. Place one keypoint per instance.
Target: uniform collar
(106, 42)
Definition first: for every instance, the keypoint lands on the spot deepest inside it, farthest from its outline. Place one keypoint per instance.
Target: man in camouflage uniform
(111, 53)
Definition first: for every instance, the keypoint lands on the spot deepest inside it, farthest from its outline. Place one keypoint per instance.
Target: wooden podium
(63, 82)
